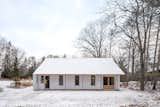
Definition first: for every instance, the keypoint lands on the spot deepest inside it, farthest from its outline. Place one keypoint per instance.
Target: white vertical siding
(87, 82)
(101, 81)
(40, 85)
(35, 82)
(69, 82)
(117, 82)
(54, 82)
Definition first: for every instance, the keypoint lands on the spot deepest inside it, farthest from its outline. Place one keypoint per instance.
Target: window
(105, 80)
(108, 80)
(42, 79)
(36, 79)
(60, 80)
(76, 80)
(111, 81)
(93, 79)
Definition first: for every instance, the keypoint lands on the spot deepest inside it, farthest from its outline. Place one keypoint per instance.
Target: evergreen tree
(16, 72)
(6, 73)
(6, 63)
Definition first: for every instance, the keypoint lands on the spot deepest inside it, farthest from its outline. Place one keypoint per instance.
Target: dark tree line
(13, 62)
(15, 65)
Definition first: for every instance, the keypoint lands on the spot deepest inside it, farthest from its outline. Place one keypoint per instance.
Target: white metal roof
(79, 66)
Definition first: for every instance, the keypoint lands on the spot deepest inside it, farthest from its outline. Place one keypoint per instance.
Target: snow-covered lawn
(27, 97)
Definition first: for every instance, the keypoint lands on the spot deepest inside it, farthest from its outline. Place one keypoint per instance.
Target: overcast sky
(42, 27)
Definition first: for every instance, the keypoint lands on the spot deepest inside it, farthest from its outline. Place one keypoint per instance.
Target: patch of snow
(27, 97)
(135, 85)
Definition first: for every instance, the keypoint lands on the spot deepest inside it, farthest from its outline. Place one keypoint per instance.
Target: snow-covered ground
(148, 86)
(27, 97)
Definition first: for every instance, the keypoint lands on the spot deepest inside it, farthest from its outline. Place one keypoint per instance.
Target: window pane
(92, 79)
(105, 80)
(111, 81)
(60, 80)
(37, 79)
(42, 79)
(76, 80)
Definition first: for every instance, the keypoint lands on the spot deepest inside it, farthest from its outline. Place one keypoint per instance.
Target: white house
(85, 73)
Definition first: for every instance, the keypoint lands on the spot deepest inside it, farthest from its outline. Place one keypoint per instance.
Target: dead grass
(21, 84)
(26, 83)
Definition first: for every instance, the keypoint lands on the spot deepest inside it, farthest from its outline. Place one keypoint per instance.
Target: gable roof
(79, 66)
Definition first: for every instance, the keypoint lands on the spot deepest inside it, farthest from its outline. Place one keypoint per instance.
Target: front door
(108, 83)
(47, 82)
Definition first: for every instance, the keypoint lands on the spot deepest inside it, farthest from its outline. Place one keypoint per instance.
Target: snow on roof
(79, 66)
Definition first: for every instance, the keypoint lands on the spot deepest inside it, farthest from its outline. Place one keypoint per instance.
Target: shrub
(26, 83)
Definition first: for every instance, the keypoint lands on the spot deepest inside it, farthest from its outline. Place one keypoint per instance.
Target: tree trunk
(154, 84)
(142, 71)
(129, 55)
(148, 42)
(157, 65)
(133, 59)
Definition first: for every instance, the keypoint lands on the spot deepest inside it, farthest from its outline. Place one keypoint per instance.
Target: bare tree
(156, 44)
(111, 36)
(121, 59)
(32, 65)
(156, 56)
(92, 39)
(139, 19)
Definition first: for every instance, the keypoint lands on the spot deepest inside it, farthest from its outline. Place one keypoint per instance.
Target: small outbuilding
(77, 73)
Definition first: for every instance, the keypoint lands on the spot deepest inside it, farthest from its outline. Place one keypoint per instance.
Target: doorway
(47, 82)
(108, 83)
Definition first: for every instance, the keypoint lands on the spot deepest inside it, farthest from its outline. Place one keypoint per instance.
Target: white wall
(37, 82)
(87, 82)
(54, 82)
(117, 82)
(69, 82)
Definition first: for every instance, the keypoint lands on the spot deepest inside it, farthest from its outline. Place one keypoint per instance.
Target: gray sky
(42, 27)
